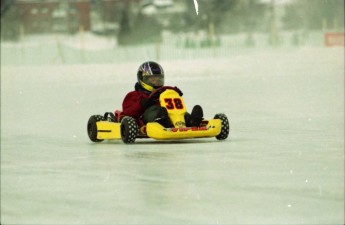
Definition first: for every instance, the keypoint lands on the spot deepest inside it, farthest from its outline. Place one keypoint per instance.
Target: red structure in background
(54, 15)
(83, 13)
(36, 16)
(39, 16)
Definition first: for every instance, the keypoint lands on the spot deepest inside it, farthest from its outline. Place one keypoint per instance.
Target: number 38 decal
(173, 103)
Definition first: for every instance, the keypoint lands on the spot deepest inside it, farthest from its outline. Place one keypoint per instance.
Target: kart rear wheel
(129, 130)
(92, 127)
(225, 130)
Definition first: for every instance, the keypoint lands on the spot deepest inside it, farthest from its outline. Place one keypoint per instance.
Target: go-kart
(118, 126)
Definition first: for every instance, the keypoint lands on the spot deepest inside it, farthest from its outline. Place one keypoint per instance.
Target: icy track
(283, 162)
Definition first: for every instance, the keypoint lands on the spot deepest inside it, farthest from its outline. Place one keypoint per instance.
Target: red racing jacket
(131, 104)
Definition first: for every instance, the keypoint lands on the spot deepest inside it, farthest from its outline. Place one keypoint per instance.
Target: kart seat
(118, 115)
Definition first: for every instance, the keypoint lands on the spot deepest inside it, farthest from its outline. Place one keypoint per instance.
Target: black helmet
(150, 75)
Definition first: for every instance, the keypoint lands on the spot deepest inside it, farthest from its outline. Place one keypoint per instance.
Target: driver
(138, 103)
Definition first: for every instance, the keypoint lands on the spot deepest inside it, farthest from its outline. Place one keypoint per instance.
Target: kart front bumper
(110, 130)
(157, 131)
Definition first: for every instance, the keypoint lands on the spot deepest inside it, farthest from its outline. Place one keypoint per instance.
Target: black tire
(225, 130)
(92, 127)
(129, 130)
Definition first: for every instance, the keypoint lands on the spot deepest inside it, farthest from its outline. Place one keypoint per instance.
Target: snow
(278, 2)
(282, 164)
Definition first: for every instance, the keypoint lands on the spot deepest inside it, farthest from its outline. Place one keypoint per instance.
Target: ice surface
(283, 162)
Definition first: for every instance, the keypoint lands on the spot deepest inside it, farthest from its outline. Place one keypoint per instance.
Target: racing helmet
(150, 75)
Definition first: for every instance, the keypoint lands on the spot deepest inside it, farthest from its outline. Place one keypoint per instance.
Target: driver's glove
(147, 102)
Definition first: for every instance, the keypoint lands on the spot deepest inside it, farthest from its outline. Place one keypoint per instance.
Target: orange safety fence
(334, 39)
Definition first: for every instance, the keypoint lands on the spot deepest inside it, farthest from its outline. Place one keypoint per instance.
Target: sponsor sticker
(186, 129)
(180, 124)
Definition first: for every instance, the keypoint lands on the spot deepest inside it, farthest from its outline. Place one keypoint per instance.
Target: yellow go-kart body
(176, 108)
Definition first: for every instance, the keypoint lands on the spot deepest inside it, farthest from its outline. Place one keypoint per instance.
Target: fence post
(59, 48)
(158, 50)
(82, 44)
(21, 40)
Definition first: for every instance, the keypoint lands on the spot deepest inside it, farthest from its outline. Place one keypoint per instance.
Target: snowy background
(283, 162)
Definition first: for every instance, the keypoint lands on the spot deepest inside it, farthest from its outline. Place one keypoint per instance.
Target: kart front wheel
(129, 130)
(92, 127)
(225, 130)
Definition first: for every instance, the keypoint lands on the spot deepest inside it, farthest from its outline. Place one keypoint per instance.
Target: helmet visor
(154, 80)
